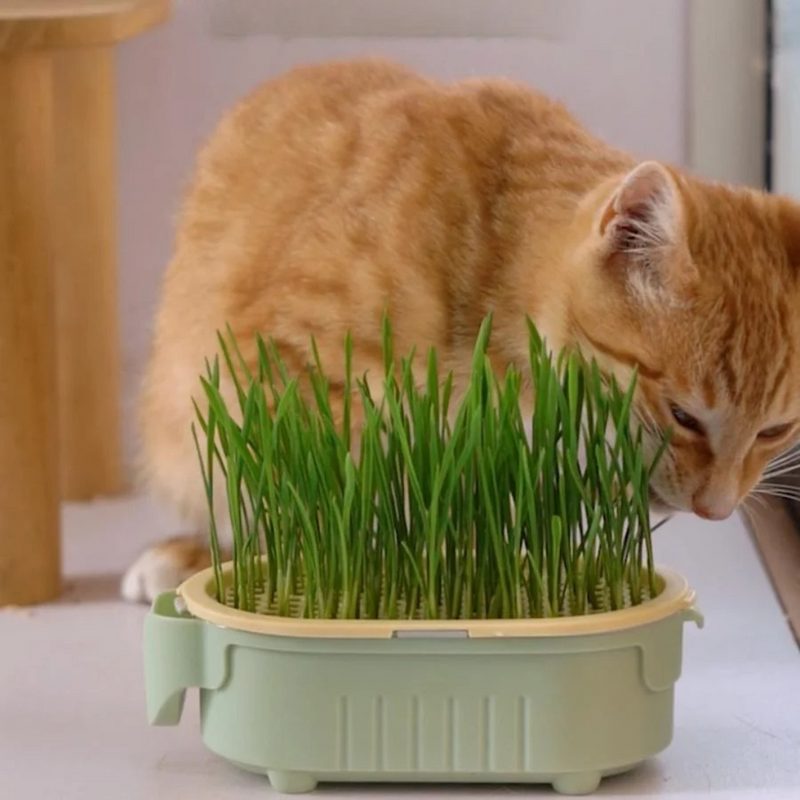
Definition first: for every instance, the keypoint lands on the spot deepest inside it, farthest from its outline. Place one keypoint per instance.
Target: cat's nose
(712, 511)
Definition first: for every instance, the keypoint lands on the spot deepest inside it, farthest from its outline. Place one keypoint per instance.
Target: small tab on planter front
(442, 634)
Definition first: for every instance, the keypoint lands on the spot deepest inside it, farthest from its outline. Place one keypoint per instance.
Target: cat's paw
(162, 568)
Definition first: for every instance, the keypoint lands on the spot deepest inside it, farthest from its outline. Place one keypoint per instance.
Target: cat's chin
(661, 507)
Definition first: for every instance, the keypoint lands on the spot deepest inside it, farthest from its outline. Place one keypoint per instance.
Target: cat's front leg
(164, 566)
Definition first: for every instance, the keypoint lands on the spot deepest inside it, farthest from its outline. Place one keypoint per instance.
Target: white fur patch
(715, 423)
(651, 244)
(154, 572)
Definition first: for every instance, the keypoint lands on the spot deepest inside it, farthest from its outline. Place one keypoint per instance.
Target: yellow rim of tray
(675, 597)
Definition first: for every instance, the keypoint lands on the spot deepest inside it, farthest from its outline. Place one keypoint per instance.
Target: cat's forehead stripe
(623, 357)
(726, 368)
(776, 381)
(709, 392)
(752, 356)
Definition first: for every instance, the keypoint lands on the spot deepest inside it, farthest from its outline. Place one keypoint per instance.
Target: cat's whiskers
(786, 466)
(784, 491)
(789, 456)
(754, 512)
(769, 474)
(767, 485)
(789, 459)
(755, 497)
(788, 469)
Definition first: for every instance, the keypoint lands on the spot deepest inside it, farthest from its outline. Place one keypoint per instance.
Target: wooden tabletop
(56, 24)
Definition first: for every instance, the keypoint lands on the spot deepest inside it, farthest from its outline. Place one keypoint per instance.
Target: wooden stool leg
(86, 275)
(30, 556)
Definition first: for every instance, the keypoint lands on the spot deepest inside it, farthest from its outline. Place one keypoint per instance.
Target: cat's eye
(775, 432)
(685, 419)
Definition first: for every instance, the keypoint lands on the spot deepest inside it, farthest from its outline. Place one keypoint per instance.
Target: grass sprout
(468, 509)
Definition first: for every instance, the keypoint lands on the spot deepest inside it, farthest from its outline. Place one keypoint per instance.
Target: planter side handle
(174, 647)
(694, 614)
(662, 646)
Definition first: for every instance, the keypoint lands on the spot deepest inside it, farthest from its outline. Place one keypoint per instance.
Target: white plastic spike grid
(264, 606)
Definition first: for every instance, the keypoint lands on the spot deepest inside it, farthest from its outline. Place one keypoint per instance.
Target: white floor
(72, 719)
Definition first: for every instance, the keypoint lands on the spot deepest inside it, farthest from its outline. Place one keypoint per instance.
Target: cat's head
(698, 286)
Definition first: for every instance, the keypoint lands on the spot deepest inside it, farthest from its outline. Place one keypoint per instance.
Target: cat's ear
(641, 227)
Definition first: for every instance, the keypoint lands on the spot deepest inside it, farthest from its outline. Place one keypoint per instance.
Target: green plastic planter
(560, 701)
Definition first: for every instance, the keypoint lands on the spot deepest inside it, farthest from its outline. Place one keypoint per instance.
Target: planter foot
(291, 782)
(578, 783)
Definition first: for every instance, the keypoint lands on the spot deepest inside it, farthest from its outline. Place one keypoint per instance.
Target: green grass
(450, 511)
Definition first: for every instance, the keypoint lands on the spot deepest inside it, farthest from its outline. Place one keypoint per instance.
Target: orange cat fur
(341, 189)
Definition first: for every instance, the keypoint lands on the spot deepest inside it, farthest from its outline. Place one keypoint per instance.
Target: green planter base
(423, 707)
(577, 783)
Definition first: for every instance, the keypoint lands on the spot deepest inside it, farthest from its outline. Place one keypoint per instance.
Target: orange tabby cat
(339, 189)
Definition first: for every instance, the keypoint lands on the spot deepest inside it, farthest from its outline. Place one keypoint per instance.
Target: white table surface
(72, 716)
